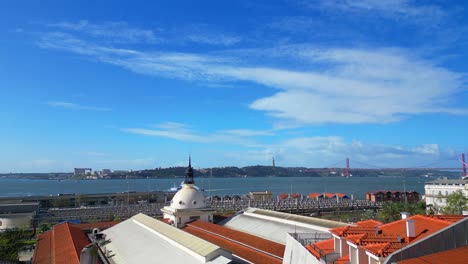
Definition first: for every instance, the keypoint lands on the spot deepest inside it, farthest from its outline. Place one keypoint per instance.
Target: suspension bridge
(346, 171)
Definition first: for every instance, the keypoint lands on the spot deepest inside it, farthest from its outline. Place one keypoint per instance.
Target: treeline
(269, 171)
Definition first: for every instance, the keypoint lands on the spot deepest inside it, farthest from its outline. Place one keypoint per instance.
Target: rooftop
(244, 245)
(62, 244)
(383, 239)
(456, 256)
(135, 240)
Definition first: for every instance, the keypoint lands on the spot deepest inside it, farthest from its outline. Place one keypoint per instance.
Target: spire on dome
(189, 173)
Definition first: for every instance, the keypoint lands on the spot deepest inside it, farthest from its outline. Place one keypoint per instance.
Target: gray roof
(274, 225)
(142, 239)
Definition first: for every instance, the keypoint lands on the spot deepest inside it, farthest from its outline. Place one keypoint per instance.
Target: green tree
(390, 212)
(456, 203)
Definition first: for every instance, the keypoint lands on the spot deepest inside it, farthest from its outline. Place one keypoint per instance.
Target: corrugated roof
(271, 230)
(195, 244)
(143, 239)
(297, 218)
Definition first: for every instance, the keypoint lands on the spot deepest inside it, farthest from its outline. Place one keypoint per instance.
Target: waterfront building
(82, 171)
(392, 196)
(436, 192)
(261, 196)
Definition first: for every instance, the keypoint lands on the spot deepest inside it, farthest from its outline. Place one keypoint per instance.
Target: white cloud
(181, 132)
(212, 39)
(119, 32)
(334, 85)
(394, 9)
(68, 105)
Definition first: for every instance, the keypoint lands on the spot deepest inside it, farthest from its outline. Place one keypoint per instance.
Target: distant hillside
(269, 171)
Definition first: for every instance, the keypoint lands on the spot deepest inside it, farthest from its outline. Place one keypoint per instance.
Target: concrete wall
(296, 253)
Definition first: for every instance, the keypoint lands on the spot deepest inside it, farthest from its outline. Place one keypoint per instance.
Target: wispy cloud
(119, 32)
(212, 39)
(181, 132)
(74, 106)
(393, 9)
(333, 85)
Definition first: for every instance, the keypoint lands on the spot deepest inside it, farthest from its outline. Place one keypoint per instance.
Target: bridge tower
(347, 167)
(463, 164)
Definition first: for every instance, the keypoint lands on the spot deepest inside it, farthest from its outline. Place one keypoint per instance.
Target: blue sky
(135, 85)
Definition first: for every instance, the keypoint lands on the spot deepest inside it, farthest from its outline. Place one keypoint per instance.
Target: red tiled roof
(63, 244)
(451, 218)
(369, 223)
(249, 247)
(295, 195)
(42, 254)
(321, 248)
(383, 239)
(342, 260)
(456, 256)
(314, 195)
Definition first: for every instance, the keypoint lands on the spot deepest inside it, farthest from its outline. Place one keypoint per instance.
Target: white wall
(296, 253)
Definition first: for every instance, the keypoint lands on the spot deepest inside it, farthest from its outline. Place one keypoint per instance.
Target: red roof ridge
(265, 249)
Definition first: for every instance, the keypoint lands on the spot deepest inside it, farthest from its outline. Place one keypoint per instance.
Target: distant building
(82, 171)
(436, 192)
(261, 196)
(105, 172)
(392, 196)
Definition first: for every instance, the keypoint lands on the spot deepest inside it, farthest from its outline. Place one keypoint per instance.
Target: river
(356, 186)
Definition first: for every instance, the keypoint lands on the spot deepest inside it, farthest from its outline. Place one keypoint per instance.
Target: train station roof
(273, 225)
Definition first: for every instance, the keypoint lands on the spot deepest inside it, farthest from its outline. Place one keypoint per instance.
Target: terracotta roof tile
(369, 223)
(43, 252)
(63, 244)
(314, 195)
(342, 260)
(456, 256)
(246, 246)
(321, 248)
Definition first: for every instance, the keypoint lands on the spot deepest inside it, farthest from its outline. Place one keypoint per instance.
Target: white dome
(188, 198)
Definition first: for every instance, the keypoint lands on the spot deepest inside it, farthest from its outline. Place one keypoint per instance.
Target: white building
(437, 191)
(188, 204)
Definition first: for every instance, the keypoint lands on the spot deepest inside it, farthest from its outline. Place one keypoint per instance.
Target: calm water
(357, 186)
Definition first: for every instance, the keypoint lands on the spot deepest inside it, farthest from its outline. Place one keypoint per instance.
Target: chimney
(405, 215)
(410, 229)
